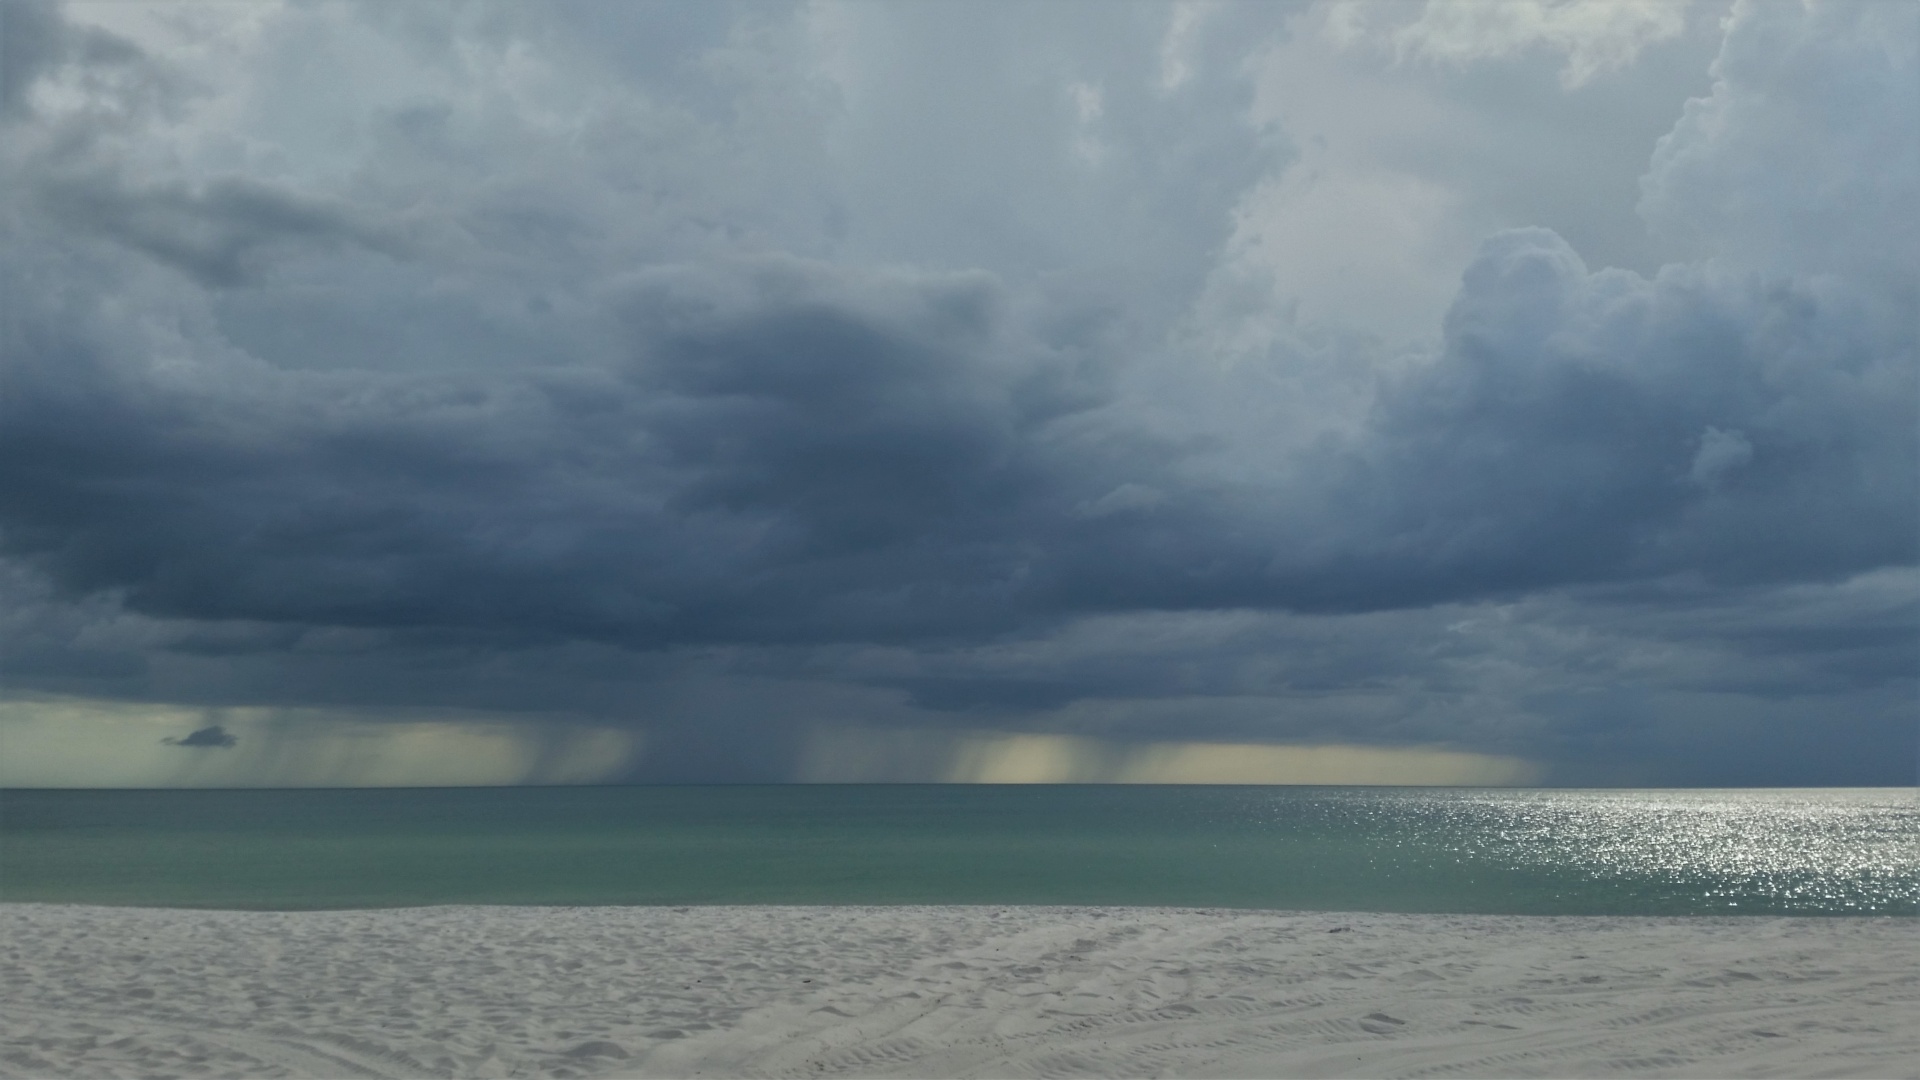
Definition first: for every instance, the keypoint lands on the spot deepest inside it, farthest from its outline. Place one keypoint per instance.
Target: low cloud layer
(760, 384)
(212, 735)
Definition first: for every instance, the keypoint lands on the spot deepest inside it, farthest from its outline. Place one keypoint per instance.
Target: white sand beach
(930, 991)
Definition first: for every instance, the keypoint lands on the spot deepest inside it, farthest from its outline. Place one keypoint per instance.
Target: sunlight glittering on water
(1832, 850)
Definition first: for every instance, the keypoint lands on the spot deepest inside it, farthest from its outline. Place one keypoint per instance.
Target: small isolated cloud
(212, 735)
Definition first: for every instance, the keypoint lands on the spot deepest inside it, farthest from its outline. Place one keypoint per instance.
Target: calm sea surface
(1824, 852)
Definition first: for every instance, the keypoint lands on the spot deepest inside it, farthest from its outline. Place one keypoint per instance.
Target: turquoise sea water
(1825, 852)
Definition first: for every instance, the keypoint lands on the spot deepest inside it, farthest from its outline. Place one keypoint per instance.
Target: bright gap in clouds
(1503, 392)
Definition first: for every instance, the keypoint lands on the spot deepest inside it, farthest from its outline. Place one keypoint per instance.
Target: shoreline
(974, 990)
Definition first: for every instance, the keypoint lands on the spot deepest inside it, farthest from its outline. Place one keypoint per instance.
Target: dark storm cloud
(528, 416)
(224, 234)
(802, 473)
(1585, 427)
(34, 40)
(32, 37)
(817, 473)
(214, 736)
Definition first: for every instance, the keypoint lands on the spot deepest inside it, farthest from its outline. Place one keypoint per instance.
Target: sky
(1341, 392)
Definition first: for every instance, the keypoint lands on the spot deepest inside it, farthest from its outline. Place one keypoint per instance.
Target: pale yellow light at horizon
(85, 743)
(70, 742)
(855, 756)
(1054, 759)
(1229, 763)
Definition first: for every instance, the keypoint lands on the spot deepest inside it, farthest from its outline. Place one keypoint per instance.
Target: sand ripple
(975, 991)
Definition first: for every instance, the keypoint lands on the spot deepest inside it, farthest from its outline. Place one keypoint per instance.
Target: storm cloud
(211, 736)
(727, 375)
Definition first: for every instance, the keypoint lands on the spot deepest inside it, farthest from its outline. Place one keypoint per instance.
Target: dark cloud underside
(652, 388)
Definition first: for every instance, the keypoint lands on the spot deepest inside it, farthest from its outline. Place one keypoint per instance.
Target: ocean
(1438, 850)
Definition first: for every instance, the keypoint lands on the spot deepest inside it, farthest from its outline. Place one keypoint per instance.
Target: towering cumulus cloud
(767, 379)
